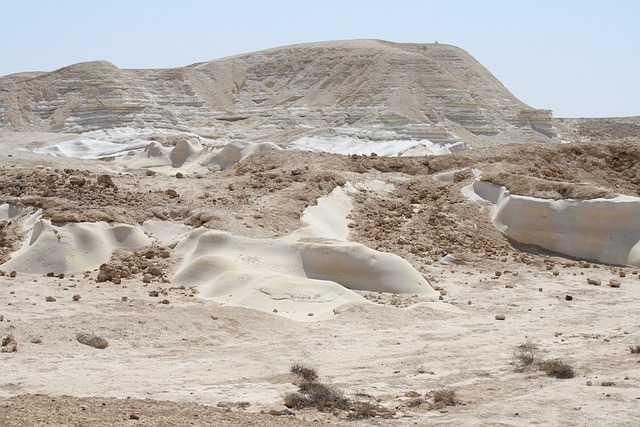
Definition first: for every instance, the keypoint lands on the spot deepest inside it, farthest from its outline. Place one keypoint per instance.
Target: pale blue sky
(580, 58)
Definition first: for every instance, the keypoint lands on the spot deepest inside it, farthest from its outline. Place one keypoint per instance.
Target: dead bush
(525, 355)
(557, 368)
(443, 397)
(305, 372)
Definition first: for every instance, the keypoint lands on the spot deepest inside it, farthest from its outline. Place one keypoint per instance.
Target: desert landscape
(340, 233)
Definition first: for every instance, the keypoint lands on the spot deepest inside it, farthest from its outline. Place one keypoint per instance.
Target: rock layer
(367, 88)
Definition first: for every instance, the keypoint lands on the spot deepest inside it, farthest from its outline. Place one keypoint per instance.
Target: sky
(577, 58)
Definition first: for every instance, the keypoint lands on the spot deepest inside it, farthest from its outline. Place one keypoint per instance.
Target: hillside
(372, 89)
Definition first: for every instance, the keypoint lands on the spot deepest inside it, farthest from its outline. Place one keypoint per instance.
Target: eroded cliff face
(371, 89)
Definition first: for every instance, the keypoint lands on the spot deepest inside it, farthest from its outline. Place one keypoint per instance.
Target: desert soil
(178, 359)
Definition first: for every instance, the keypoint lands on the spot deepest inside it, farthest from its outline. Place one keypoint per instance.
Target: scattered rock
(607, 383)
(35, 340)
(13, 274)
(614, 283)
(595, 282)
(150, 173)
(179, 175)
(165, 301)
(500, 317)
(154, 293)
(76, 297)
(280, 412)
(92, 340)
(105, 181)
(568, 297)
(125, 299)
(50, 299)
(9, 344)
(134, 416)
(1, 318)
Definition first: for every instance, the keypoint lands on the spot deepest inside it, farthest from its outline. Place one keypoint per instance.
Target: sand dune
(603, 230)
(72, 247)
(306, 276)
(188, 155)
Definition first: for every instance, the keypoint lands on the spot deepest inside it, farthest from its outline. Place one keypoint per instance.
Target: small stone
(498, 273)
(622, 273)
(8, 340)
(102, 277)
(155, 271)
(1, 318)
(92, 340)
(134, 416)
(589, 383)
(568, 297)
(595, 282)
(146, 279)
(165, 301)
(50, 299)
(171, 193)
(500, 317)
(607, 383)
(117, 281)
(556, 273)
(179, 175)
(13, 274)
(614, 283)
(154, 293)
(275, 310)
(125, 299)
(76, 297)
(150, 173)
(105, 181)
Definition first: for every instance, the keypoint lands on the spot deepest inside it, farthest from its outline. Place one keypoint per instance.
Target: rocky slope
(368, 88)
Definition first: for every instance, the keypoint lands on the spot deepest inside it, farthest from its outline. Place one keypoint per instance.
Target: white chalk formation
(604, 230)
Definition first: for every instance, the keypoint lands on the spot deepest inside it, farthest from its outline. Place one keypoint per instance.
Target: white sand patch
(605, 230)
(9, 211)
(313, 270)
(72, 247)
(165, 231)
(188, 155)
(328, 218)
(90, 149)
(289, 277)
(349, 145)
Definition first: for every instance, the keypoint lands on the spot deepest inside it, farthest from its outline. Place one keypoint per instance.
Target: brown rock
(92, 340)
(595, 282)
(500, 317)
(76, 297)
(614, 283)
(50, 299)
(105, 181)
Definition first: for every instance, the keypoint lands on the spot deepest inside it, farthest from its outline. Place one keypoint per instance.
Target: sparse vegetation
(557, 368)
(362, 410)
(307, 373)
(313, 393)
(443, 397)
(525, 355)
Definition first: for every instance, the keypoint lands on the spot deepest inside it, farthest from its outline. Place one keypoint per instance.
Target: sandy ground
(179, 359)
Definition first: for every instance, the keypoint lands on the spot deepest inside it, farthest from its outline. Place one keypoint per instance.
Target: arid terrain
(386, 214)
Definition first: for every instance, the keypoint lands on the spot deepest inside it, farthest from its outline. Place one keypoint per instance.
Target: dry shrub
(305, 372)
(525, 355)
(313, 393)
(443, 397)
(363, 410)
(557, 368)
